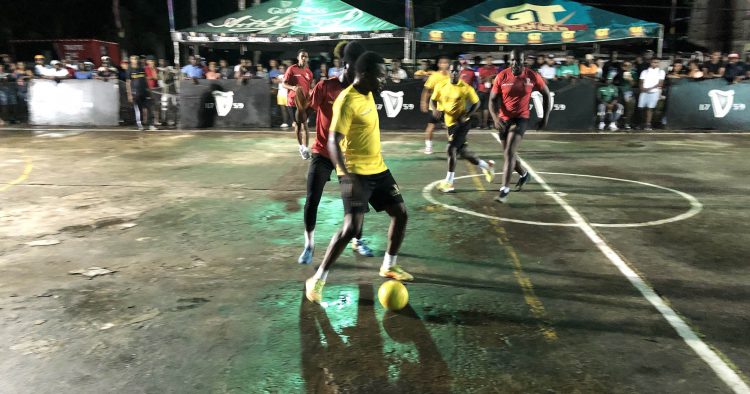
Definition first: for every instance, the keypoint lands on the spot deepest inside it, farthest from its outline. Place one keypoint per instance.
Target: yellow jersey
(434, 79)
(452, 99)
(356, 117)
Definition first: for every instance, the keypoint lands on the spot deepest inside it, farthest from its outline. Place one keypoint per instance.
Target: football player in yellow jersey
(354, 147)
(425, 105)
(451, 97)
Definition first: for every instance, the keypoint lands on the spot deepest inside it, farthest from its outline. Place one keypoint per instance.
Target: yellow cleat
(489, 173)
(397, 273)
(446, 187)
(314, 290)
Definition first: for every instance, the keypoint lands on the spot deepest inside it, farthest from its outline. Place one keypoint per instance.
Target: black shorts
(507, 126)
(319, 172)
(457, 135)
(379, 190)
(431, 118)
(142, 100)
(484, 100)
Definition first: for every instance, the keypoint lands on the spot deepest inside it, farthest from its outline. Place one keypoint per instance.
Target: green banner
(712, 104)
(535, 22)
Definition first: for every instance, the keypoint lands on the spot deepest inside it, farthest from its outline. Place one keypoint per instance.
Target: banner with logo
(292, 21)
(398, 105)
(712, 104)
(225, 104)
(535, 22)
(74, 103)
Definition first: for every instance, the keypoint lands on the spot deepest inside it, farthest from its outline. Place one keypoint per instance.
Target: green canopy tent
(537, 22)
(291, 21)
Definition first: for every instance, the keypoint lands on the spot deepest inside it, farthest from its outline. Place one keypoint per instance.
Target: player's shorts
(484, 100)
(457, 135)
(319, 172)
(431, 118)
(508, 125)
(649, 99)
(379, 190)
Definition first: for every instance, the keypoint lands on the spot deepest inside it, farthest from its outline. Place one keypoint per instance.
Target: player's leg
(359, 245)
(460, 143)
(386, 196)
(318, 174)
(428, 134)
(485, 100)
(524, 176)
(301, 117)
(446, 186)
(512, 143)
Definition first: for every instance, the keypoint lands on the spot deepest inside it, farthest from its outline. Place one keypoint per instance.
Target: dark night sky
(146, 22)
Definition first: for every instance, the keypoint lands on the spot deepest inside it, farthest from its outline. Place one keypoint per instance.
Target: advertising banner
(712, 104)
(74, 103)
(225, 104)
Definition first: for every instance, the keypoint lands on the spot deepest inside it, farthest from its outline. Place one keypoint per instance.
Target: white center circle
(695, 205)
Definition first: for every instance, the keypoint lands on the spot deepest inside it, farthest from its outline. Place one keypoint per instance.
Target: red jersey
(297, 76)
(151, 73)
(515, 92)
(486, 71)
(467, 75)
(323, 96)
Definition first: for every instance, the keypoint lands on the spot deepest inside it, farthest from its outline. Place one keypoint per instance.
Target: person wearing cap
(85, 72)
(40, 69)
(106, 71)
(589, 68)
(735, 70)
(58, 72)
(714, 68)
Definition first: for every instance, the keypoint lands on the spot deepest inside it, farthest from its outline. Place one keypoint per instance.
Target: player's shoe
(306, 256)
(489, 173)
(446, 187)
(613, 126)
(397, 273)
(360, 247)
(601, 126)
(523, 181)
(428, 150)
(284, 126)
(503, 196)
(314, 289)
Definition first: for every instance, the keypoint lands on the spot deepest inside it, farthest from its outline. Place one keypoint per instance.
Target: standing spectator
(487, 74)
(242, 70)
(106, 71)
(192, 70)
(122, 72)
(467, 74)
(58, 72)
(694, 70)
(261, 72)
(6, 61)
(651, 83)
(735, 70)
(569, 68)
(640, 65)
(7, 96)
(22, 77)
(168, 79)
(549, 70)
(212, 73)
(424, 71)
(589, 68)
(274, 71)
(152, 76)
(538, 63)
(40, 69)
(397, 74)
(627, 86)
(224, 70)
(336, 70)
(609, 109)
(613, 68)
(678, 70)
(85, 71)
(137, 90)
(281, 96)
(714, 68)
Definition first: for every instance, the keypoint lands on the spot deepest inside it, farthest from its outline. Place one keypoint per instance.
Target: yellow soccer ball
(393, 295)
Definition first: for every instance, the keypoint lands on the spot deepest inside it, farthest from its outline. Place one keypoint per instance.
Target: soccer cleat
(360, 247)
(613, 126)
(503, 196)
(428, 150)
(489, 173)
(601, 126)
(446, 187)
(523, 181)
(306, 256)
(314, 289)
(396, 272)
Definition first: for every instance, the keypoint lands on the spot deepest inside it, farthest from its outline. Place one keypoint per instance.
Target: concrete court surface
(202, 231)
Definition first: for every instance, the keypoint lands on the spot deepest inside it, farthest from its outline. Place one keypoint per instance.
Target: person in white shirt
(549, 71)
(58, 72)
(397, 74)
(651, 82)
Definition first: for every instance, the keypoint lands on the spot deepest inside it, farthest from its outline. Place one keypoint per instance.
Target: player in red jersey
(511, 114)
(298, 80)
(321, 166)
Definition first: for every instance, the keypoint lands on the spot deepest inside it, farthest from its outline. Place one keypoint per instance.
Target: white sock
(449, 178)
(505, 189)
(483, 165)
(389, 261)
(355, 241)
(428, 143)
(309, 239)
(321, 274)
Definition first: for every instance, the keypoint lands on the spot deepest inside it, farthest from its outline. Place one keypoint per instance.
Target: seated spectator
(58, 72)
(212, 73)
(694, 70)
(569, 68)
(609, 108)
(424, 71)
(40, 69)
(192, 70)
(735, 70)
(549, 70)
(678, 70)
(336, 70)
(714, 68)
(589, 68)
(106, 71)
(396, 74)
(225, 71)
(85, 71)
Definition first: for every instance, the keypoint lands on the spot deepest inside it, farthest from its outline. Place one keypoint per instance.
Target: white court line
(719, 366)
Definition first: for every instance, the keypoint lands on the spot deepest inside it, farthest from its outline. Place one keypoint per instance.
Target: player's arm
(334, 150)
(435, 98)
(317, 95)
(287, 78)
(496, 102)
(475, 103)
(426, 93)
